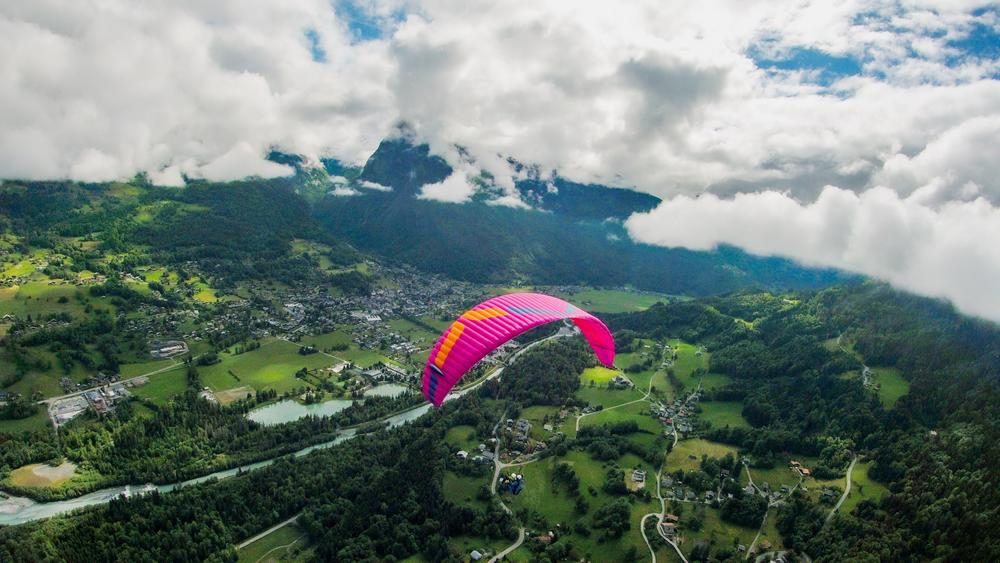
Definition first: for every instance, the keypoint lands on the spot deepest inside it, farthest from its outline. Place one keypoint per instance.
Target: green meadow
(892, 385)
(686, 455)
(723, 413)
(863, 487)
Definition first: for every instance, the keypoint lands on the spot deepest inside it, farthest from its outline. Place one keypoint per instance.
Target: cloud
(344, 191)
(750, 103)
(374, 186)
(456, 188)
(944, 251)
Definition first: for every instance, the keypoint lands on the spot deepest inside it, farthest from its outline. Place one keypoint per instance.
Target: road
(847, 489)
(645, 397)
(82, 391)
(268, 531)
(510, 548)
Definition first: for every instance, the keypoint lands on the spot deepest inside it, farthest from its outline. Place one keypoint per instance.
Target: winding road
(847, 489)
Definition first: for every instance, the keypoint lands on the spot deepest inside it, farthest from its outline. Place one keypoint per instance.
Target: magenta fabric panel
(486, 326)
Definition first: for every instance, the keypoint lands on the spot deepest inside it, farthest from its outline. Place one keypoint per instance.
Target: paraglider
(482, 329)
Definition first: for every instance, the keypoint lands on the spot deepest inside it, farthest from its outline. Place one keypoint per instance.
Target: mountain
(573, 235)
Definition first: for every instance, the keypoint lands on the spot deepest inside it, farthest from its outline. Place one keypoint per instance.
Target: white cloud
(945, 251)
(668, 98)
(374, 186)
(344, 191)
(456, 188)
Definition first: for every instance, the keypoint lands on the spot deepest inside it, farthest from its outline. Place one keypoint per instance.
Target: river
(18, 510)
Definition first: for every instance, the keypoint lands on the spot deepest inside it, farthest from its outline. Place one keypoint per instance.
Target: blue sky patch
(363, 25)
(315, 48)
(983, 42)
(830, 67)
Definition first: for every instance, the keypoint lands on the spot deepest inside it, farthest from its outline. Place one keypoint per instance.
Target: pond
(289, 410)
(387, 390)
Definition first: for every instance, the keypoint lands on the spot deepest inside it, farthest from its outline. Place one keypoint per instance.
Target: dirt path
(268, 531)
(847, 490)
(286, 547)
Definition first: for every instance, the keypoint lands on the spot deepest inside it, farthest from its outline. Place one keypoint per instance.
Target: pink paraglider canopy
(486, 326)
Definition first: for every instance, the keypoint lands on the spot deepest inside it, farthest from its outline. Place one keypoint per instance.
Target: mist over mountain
(571, 234)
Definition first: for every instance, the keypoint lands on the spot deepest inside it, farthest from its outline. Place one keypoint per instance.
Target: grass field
(462, 490)
(600, 375)
(462, 438)
(613, 300)
(272, 366)
(680, 456)
(892, 386)
(607, 397)
(555, 505)
(717, 533)
(328, 340)
(34, 423)
(414, 333)
(863, 488)
(724, 413)
(132, 370)
(163, 386)
(536, 416)
(272, 544)
(638, 412)
(775, 477)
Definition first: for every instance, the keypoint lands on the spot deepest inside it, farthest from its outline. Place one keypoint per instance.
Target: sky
(857, 135)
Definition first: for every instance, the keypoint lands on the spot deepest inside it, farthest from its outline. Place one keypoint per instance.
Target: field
(232, 395)
(463, 438)
(680, 456)
(536, 416)
(132, 370)
(862, 488)
(555, 505)
(613, 300)
(714, 531)
(414, 333)
(638, 412)
(160, 388)
(328, 340)
(892, 386)
(35, 422)
(272, 366)
(776, 476)
(462, 490)
(724, 413)
(688, 360)
(598, 375)
(42, 475)
(607, 397)
(283, 544)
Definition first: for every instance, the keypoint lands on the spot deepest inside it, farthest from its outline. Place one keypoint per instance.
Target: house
(639, 476)
(805, 471)
(619, 382)
(671, 518)
(475, 555)
(668, 529)
(691, 495)
(667, 482)
(710, 496)
(462, 454)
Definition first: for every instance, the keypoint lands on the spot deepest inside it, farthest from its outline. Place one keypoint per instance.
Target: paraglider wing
(486, 326)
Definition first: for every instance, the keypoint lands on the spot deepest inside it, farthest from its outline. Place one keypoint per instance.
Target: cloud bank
(816, 115)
